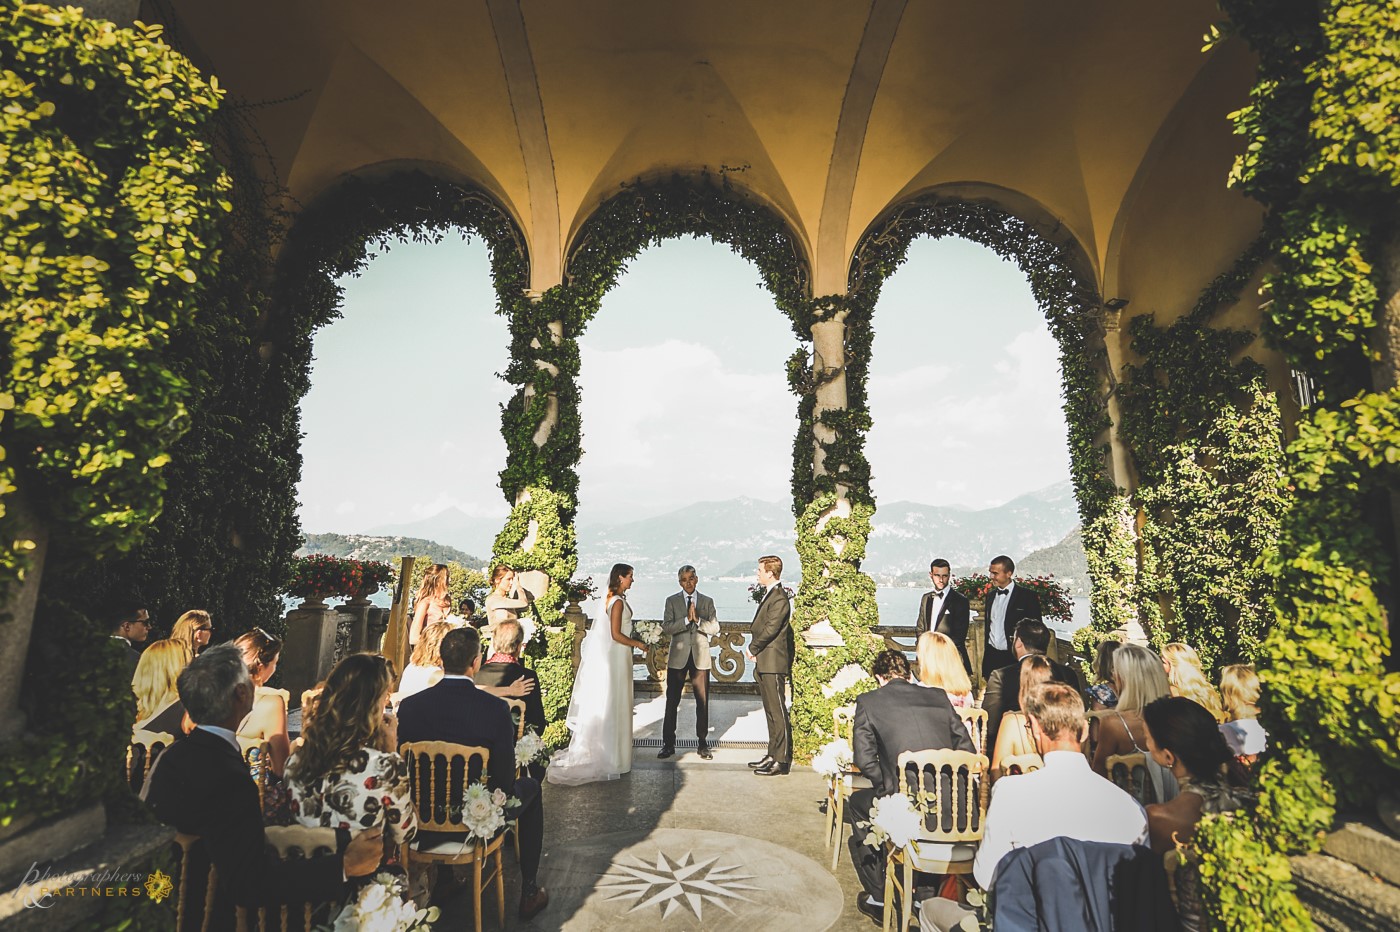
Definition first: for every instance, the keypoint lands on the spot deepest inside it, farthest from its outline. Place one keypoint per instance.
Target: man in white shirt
(1065, 799)
(1006, 605)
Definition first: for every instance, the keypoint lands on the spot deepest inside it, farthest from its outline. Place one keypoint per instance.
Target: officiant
(691, 621)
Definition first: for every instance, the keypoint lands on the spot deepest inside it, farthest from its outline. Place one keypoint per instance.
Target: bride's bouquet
(893, 818)
(381, 906)
(529, 749)
(648, 632)
(834, 758)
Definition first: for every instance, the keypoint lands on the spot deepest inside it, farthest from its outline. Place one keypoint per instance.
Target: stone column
(17, 611)
(1120, 464)
(829, 370)
(309, 650)
(358, 607)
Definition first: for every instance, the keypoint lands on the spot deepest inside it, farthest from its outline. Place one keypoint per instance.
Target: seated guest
(1187, 678)
(941, 666)
(201, 786)
(1239, 693)
(1003, 693)
(466, 610)
(1184, 738)
(1102, 692)
(1014, 736)
(896, 717)
(131, 627)
(504, 668)
(194, 628)
(268, 720)
(425, 665)
(158, 706)
(347, 772)
(1138, 678)
(456, 711)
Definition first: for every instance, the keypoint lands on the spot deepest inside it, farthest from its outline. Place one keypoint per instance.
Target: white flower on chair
(382, 907)
(834, 758)
(893, 818)
(529, 749)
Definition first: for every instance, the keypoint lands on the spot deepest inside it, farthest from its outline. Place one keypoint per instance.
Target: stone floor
(686, 843)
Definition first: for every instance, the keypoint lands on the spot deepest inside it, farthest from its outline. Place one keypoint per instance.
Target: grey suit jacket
(690, 640)
(770, 640)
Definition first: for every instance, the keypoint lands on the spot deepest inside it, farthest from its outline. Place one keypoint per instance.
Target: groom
(690, 620)
(771, 649)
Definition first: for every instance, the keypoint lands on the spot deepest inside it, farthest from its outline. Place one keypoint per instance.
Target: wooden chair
(139, 764)
(1129, 772)
(188, 844)
(290, 842)
(430, 768)
(1021, 763)
(517, 715)
(838, 788)
(937, 850)
(258, 757)
(976, 722)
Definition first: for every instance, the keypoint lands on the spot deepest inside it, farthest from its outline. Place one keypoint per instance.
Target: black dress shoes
(758, 764)
(532, 905)
(775, 769)
(705, 752)
(875, 914)
(666, 752)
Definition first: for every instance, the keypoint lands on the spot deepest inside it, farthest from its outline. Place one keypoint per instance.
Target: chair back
(259, 761)
(1021, 763)
(197, 875)
(287, 843)
(139, 762)
(517, 715)
(949, 785)
(975, 720)
(843, 719)
(438, 773)
(1129, 772)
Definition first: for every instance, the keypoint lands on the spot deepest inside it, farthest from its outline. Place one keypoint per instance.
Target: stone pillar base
(309, 651)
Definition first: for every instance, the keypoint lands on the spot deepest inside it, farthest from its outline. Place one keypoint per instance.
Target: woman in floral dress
(347, 774)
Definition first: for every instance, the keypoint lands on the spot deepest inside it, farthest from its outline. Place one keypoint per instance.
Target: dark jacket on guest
(1093, 886)
(503, 674)
(771, 640)
(201, 786)
(899, 717)
(953, 619)
(455, 710)
(1024, 603)
(1004, 692)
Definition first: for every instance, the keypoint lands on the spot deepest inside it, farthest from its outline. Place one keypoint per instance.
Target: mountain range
(723, 538)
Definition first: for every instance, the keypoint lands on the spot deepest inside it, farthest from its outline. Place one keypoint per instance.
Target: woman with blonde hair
(425, 666)
(432, 604)
(941, 665)
(1138, 678)
(1014, 736)
(158, 706)
(1188, 679)
(1239, 692)
(268, 720)
(347, 772)
(194, 628)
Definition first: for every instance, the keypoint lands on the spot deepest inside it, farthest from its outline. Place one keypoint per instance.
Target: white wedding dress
(600, 708)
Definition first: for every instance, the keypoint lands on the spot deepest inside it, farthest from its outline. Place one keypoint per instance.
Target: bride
(600, 709)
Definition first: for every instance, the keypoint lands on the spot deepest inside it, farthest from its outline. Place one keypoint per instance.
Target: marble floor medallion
(675, 878)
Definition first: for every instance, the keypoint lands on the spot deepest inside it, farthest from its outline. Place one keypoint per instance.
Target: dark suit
(201, 786)
(455, 710)
(503, 674)
(771, 643)
(1023, 604)
(953, 618)
(895, 718)
(1004, 693)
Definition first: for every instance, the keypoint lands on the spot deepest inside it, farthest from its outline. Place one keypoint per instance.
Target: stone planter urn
(313, 603)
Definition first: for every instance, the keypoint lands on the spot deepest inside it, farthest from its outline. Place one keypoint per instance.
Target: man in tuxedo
(132, 627)
(201, 786)
(896, 717)
(1003, 693)
(454, 710)
(503, 667)
(945, 610)
(771, 649)
(1006, 604)
(691, 621)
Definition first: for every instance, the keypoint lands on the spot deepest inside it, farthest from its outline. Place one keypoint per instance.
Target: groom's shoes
(760, 764)
(530, 906)
(666, 751)
(705, 752)
(775, 769)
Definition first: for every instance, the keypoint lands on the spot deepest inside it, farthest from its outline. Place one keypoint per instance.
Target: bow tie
(1003, 591)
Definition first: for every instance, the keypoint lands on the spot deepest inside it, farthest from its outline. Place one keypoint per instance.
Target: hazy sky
(684, 392)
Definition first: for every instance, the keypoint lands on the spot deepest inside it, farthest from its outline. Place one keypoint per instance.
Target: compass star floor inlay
(669, 883)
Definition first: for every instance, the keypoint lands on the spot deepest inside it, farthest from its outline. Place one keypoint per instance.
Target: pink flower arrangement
(1054, 597)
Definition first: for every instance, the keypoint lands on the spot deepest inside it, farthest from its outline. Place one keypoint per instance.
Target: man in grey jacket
(690, 620)
(771, 649)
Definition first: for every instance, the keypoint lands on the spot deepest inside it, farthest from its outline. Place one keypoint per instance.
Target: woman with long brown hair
(432, 604)
(268, 720)
(508, 600)
(347, 773)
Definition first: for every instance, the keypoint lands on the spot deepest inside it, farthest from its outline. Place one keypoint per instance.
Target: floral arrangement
(893, 818)
(580, 590)
(321, 576)
(1054, 597)
(529, 749)
(483, 811)
(759, 593)
(834, 759)
(374, 576)
(382, 906)
(648, 632)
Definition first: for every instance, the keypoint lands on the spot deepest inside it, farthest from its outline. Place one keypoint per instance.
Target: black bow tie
(1003, 591)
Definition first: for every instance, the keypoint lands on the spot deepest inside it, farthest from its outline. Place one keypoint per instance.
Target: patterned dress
(371, 790)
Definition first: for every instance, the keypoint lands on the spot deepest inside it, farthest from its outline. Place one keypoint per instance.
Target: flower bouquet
(648, 632)
(483, 811)
(381, 906)
(834, 758)
(529, 749)
(893, 818)
(321, 576)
